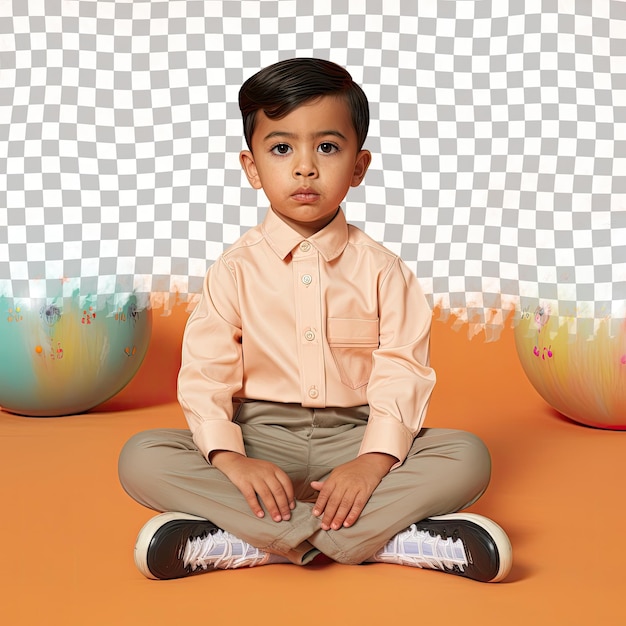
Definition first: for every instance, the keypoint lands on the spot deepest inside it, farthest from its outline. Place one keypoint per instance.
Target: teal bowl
(67, 357)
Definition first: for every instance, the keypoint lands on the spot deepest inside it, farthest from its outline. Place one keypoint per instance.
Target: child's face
(306, 162)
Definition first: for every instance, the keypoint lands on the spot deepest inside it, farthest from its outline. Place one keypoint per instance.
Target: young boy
(305, 377)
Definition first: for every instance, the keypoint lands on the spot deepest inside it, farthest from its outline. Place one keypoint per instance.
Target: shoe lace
(419, 548)
(221, 550)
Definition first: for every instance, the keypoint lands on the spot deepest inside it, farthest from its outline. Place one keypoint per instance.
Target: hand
(344, 494)
(258, 480)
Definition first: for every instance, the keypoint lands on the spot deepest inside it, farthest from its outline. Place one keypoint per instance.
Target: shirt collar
(329, 242)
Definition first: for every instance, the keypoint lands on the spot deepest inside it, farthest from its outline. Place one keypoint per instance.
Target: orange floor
(68, 529)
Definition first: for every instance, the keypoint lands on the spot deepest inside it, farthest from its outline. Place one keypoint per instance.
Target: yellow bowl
(582, 374)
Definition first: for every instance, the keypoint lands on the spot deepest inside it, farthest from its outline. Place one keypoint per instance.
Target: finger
(322, 498)
(282, 493)
(287, 485)
(348, 510)
(334, 502)
(355, 512)
(274, 499)
(253, 502)
(336, 511)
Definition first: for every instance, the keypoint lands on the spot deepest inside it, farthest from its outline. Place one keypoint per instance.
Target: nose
(306, 168)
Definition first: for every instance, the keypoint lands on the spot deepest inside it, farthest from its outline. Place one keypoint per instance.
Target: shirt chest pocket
(352, 342)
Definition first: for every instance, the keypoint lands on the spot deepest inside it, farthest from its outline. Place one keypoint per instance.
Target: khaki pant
(445, 471)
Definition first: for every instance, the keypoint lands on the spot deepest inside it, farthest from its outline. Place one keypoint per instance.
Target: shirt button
(305, 246)
(307, 279)
(313, 392)
(309, 335)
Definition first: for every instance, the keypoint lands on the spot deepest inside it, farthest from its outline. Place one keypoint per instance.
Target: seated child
(305, 377)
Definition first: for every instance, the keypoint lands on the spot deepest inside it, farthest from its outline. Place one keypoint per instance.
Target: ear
(363, 160)
(246, 158)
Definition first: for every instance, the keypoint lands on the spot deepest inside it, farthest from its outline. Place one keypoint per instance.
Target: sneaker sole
(145, 537)
(505, 550)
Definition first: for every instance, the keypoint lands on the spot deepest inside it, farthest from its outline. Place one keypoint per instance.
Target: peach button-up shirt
(335, 320)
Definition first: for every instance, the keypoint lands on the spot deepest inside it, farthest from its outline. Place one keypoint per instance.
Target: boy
(305, 377)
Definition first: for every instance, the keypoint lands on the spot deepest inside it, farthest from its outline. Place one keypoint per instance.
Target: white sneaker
(174, 545)
(464, 544)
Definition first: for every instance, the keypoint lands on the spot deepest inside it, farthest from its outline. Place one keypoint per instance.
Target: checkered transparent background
(498, 132)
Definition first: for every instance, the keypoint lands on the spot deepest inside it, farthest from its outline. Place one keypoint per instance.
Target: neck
(307, 229)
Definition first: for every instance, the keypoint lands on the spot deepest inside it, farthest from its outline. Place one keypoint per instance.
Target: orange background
(68, 529)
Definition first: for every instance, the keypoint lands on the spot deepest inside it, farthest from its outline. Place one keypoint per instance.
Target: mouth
(305, 195)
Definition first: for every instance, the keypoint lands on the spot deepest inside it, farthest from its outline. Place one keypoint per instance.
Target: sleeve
(211, 368)
(402, 380)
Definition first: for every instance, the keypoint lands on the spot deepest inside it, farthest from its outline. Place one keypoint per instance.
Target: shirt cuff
(389, 436)
(218, 435)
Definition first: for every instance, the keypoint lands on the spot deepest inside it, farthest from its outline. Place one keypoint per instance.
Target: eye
(328, 148)
(281, 148)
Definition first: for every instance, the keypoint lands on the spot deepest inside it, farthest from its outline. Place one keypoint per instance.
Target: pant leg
(445, 471)
(163, 470)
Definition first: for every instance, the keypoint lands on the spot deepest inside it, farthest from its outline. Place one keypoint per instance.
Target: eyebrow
(323, 133)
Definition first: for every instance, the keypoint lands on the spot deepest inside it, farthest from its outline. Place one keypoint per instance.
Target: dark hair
(282, 87)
